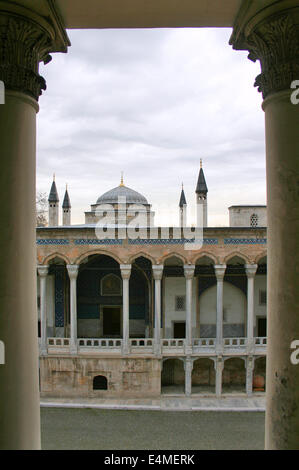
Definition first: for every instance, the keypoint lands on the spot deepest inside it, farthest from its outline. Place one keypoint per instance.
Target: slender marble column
(188, 365)
(157, 274)
(125, 270)
(26, 40)
(271, 35)
(73, 273)
(249, 374)
(189, 274)
(219, 364)
(219, 272)
(250, 270)
(43, 272)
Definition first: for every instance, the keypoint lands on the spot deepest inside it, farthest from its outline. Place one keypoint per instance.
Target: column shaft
(73, 273)
(19, 387)
(126, 273)
(189, 273)
(43, 271)
(219, 271)
(157, 274)
(250, 271)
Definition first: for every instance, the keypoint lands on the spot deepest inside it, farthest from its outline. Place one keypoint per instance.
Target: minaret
(66, 209)
(201, 199)
(53, 205)
(183, 209)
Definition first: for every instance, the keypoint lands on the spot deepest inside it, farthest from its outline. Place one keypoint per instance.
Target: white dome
(132, 197)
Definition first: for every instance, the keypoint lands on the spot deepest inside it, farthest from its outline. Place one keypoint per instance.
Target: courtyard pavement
(232, 402)
(107, 429)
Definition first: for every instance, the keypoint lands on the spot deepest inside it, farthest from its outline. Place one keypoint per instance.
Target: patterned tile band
(52, 241)
(170, 241)
(245, 241)
(96, 241)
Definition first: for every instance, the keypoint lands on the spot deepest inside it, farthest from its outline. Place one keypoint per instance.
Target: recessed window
(180, 303)
(263, 297)
(100, 382)
(254, 220)
(111, 285)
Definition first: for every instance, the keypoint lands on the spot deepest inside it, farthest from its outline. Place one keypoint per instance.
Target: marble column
(125, 270)
(249, 374)
(157, 275)
(271, 35)
(250, 270)
(43, 272)
(26, 39)
(72, 270)
(219, 272)
(189, 275)
(219, 364)
(188, 365)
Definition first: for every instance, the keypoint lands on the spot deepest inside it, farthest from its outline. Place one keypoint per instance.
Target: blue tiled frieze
(245, 241)
(52, 241)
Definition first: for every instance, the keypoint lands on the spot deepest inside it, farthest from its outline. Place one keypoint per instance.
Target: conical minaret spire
(53, 201)
(66, 209)
(201, 199)
(183, 208)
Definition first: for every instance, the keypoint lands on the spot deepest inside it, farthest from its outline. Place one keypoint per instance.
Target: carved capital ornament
(274, 41)
(27, 39)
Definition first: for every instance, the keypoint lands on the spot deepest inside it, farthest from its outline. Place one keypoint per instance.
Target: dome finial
(201, 163)
(122, 179)
(53, 176)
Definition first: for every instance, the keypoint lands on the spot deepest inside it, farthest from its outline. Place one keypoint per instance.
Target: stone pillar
(125, 270)
(188, 365)
(189, 274)
(43, 272)
(219, 364)
(219, 272)
(250, 270)
(249, 374)
(157, 274)
(271, 35)
(72, 270)
(26, 39)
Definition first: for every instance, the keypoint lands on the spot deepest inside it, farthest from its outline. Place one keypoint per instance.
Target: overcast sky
(151, 103)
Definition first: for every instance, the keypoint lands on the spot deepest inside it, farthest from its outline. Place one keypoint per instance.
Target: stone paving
(166, 402)
(106, 429)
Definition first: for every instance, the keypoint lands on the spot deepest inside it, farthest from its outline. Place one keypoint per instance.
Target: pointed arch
(48, 258)
(204, 254)
(142, 255)
(172, 255)
(260, 257)
(86, 254)
(237, 254)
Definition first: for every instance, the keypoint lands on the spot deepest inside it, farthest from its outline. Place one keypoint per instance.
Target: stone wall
(73, 377)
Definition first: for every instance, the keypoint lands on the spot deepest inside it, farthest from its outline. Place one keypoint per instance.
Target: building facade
(142, 311)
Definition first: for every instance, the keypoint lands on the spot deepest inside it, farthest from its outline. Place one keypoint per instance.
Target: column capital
(271, 36)
(125, 270)
(27, 39)
(72, 270)
(220, 271)
(157, 271)
(189, 271)
(250, 270)
(42, 270)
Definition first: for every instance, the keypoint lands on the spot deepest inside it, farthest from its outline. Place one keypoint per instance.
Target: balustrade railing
(260, 341)
(101, 343)
(147, 344)
(234, 342)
